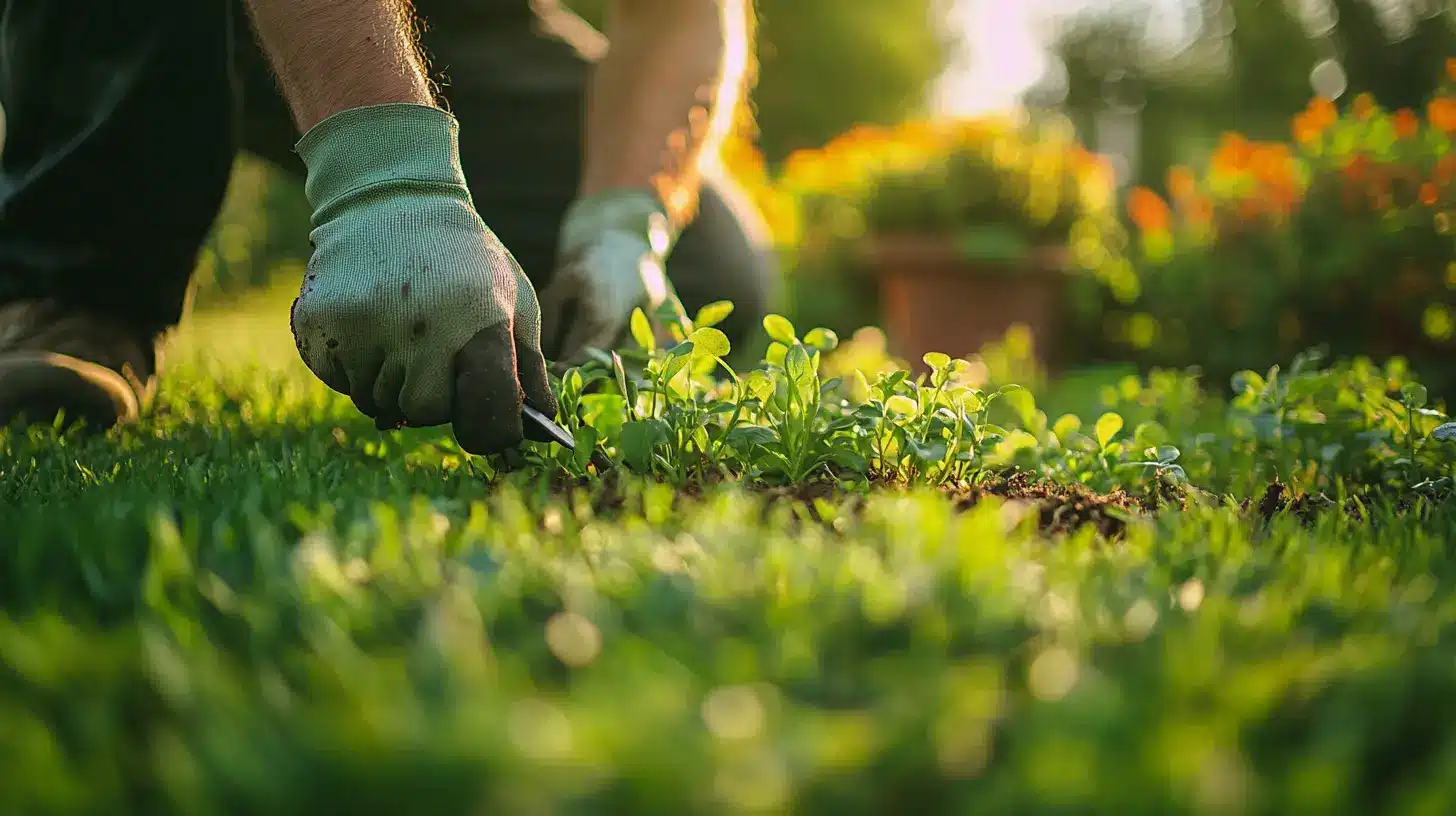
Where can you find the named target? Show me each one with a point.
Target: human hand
(411, 306)
(611, 260)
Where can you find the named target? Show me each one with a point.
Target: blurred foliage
(828, 64)
(1343, 238)
(1397, 60)
(1249, 67)
(260, 235)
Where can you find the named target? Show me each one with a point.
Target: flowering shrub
(999, 187)
(1341, 238)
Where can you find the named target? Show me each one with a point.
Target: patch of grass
(256, 602)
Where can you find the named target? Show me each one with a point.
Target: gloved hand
(610, 259)
(411, 306)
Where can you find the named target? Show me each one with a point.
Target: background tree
(1394, 49)
(1248, 66)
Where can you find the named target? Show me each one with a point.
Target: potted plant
(970, 227)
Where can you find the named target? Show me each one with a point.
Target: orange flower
(1233, 153)
(1270, 163)
(1322, 112)
(1430, 194)
(1307, 128)
(1442, 113)
(1148, 210)
(1365, 106)
(1181, 184)
(1407, 124)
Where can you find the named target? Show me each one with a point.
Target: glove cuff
(362, 147)
(635, 210)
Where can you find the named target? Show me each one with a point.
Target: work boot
(55, 361)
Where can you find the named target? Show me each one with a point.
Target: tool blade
(559, 434)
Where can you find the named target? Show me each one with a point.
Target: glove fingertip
(486, 405)
(536, 385)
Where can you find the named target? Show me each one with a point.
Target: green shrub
(1343, 239)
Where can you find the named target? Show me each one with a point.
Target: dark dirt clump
(1279, 499)
(1059, 509)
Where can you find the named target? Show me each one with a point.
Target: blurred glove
(610, 259)
(411, 306)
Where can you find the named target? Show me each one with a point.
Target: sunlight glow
(1005, 47)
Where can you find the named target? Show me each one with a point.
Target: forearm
(333, 55)
(664, 93)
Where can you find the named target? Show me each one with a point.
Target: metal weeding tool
(564, 438)
(558, 433)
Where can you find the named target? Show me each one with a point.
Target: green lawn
(256, 603)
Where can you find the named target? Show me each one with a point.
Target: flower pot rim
(890, 250)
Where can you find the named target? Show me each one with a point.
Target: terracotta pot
(934, 298)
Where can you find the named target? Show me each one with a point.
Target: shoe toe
(37, 387)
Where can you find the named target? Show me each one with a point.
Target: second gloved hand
(610, 260)
(411, 306)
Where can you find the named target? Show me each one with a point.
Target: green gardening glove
(611, 258)
(411, 306)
